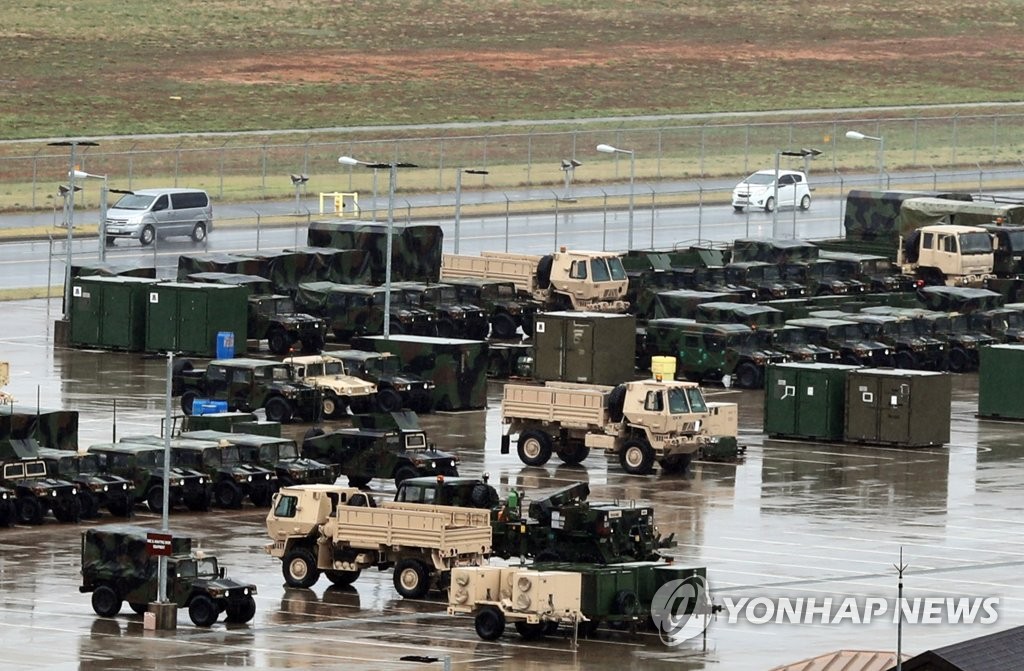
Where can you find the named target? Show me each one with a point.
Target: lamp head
(606, 149)
(854, 135)
(570, 163)
(347, 160)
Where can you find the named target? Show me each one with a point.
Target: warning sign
(158, 545)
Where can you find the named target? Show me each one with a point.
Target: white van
(148, 213)
(758, 191)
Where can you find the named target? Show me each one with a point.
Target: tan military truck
(565, 280)
(641, 421)
(339, 531)
(338, 390)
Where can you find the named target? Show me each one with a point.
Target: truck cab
(951, 254)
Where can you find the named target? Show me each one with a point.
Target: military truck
(911, 348)
(339, 391)
(539, 599)
(765, 278)
(396, 388)
(273, 317)
(7, 508)
(390, 446)
(822, 277)
(770, 327)
(712, 351)
(96, 490)
(1005, 324)
(963, 339)
(35, 491)
(248, 384)
(117, 566)
(143, 465)
(847, 338)
(1008, 250)
(562, 525)
(565, 280)
(452, 318)
(713, 279)
(642, 422)
(507, 311)
(878, 273)
(339, 531)
(280, 455)
(355, 309)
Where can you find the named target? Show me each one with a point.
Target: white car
(758, 191)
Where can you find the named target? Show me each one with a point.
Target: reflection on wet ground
(792, 520)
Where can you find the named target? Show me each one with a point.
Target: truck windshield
(415, 441)
(134, 201)
(696, 398)
(771, 273)
(333, 368)
(88, 463)
(229, 455)
(599, 270)
(446, 295)
(975, 243)
(615, 266)
(1015, 240)
(285, 306)
(67, 467)
(386, 365)
(286, 450)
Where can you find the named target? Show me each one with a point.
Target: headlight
(54, 492)
(245, 592)
(181, 483)
(452, 462)
(105, 488)
(249, 479)
(433, 464)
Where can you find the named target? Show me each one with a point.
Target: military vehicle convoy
(339, 391)
(117, 567)
(35, 491)
(247, 384)
(96, 490)
(641, 422)
(565, 280)
(340, 531)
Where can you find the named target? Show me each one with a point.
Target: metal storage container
(888, 406)
(805, 400)
(186, 317)
(1001, 382)
(109, 312)
(592, 347)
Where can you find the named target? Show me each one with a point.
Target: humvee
(396, 388)
(912, 347)
(143, 465)
(452, 318)
(281, 455)
(247, 384)
(96, 490)
(233, 480)
(355, 309)
(338, 390)
(508, 310)
(822, 277)
(36, 492)
(117, 567)
(766, 278)
(847, 338)
(879, 273)
(770, 328)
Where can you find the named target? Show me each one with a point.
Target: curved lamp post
(855, 135)
(458, 198)
(608, 149)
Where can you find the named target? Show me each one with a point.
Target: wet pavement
(791, 520)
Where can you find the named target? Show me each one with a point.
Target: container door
(549, 339)
(894, 410)
(193, 323)
(813, 415)
(117, 317)
(85, 313)
(780, 412)
(579, 350)
(862, 404)
(162, 319)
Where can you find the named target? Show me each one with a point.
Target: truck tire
(155, 499)
(227, 494)
(202, 611)
(959, 360)
(188, 398)
(67, 509)
(278, 341)
(359, 481)
(503, 326)
(29, 510)
(544, 271)
(241, 611)
(534, 448)
(573, 453)
(179, 367)
(138, 608)
(332, 405)
(389, 400)
(342, 578)
(616, 401)
(489, 623)
(637, 457)
(530, 631)
(105, 601)
(625, 605)
(299, 568)
(412, 580)
(747, 375)
(278, 410)
(404, 473)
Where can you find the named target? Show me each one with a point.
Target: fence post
(177, 163)
(508, 204)
(556, 219)
(956, 134)
(604, 222)
(131, 164)
(658, 167)
(529, 157)
(653, 192)
(263, 170)
(35, 174)
(703, 139)
(440, 165)
(842, 200)
(700, 209)
(220, 168)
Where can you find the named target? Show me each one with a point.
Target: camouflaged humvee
(766, 278)
(397, 388)
(769, 324)
(247, 384)
(96, 490)
(847, 338)
(822, 277)
(352, 310)
(143, 465)
(507, 310)
(878, 273)
(117, 567)
(452, 318)
(912, 349)
(36, 492)
(339, 391)
(280, 455)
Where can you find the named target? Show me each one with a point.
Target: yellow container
(663, 367)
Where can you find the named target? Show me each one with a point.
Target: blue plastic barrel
(225, 345)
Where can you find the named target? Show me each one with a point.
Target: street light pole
(74, 144)
(104, 192)
(801, 153)
(608, 149)
(775, 195)
(458, 199)
(855, 135)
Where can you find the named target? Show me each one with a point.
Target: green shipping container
(805, 400)
(592, 347)
(907, 408)
(1001, 382)
(109, 312)
(186, 317)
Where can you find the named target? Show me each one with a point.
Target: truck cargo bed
(570, 405)
(444, 528)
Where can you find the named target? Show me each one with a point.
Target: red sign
(158, 545)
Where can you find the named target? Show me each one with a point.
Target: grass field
(94, 67)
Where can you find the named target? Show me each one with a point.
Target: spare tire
(616, 401)
(544, 271)
(483, 496)
(177, 368)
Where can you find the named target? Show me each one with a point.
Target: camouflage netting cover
(416, 248)
(51, 428)
(959, 299)
(125, 268)
(740, 313)
(345, 266)
(874, 216)
(773, 250)
(682, 303)
(189, 264)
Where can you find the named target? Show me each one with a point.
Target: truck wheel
(105, 601)
(67, 509)
(278, 410)
(959, 361)
(411, 579)
(180, 367)
(503, 326)
(29, 510)
(333, 406)
(227, 494)
(299, 568)
(278, 342)
(202, 611)
(574, 453)
(906, 360)
(747, 375)
(88, 505)
(155, 499)
(359, 481)
(241, 611)
(490, 623)
(187, 399)
(626, 605)
(534, 448)
(342, 578)
(616, 401)
(637, 457)
(531, 631)
(404, 473)
(389, 400)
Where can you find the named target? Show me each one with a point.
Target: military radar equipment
(36, 492)
(117, 566)
(248, 384)
(339, 391)
(96, 489)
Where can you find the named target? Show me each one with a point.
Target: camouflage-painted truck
(340, 531)
(507, 311)
(339, 391)
(96, 489)
(248, 384)
(117, 566)
(640, 422)
(847, 338)
(280, 455)
(36, 491)
(143, 465)
(452, 318)
(352, 310)
(770, 327)
(415, 247)
(565, 280)
(911, 347)
(397, 387)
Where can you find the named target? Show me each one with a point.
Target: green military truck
(339, 391)
(248, 384)
(96, 490)
(765, 278)
(912, 349)
(36, 492)
(143, 465)
(822, 277)
(280, 455)
(507, 310)
(352, 310)
(397, 388)
(712, 351)
(847, 338)
(381, 446)
(878, 273)
(452, 318)
(769, 324)
(117, 566)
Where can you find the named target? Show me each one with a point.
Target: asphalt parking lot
(791, 520)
